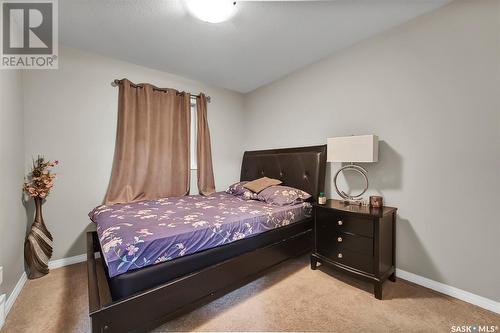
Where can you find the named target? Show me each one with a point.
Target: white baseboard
(13, 295)
(463, 295)
(22, 280)
(53, 264)
(2, 310)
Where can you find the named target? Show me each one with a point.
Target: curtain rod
(116, 83)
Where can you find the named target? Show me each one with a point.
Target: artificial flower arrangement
(38, 243)
(40, 180)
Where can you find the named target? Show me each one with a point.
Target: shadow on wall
(411, 252)
(386, 177)
(80, 242)
(74, 249)
(29, 208)
(386, 174)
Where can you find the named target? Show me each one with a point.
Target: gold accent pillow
(261, 184)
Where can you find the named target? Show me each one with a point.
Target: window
(194, 165)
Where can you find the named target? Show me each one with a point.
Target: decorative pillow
(238, 190)
(283, 195)
(260, 184)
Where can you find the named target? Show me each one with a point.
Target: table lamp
(352, 149)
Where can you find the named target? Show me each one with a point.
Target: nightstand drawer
(338, 222)
(363, 245)
(356, 260)
(344, 241)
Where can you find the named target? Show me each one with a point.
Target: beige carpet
(290, 298)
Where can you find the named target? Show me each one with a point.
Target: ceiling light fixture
(212, 11)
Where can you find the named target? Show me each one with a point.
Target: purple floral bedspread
(144, 233)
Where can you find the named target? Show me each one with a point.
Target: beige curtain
(152, 146)
(206, 182)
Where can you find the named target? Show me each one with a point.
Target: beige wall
(430, 90)
(70, 115)
(12, 212)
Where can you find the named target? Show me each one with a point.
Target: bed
(171, 262)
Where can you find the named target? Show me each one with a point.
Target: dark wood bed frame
(303, 168)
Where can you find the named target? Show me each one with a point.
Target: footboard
(99, 293)
(152, 307)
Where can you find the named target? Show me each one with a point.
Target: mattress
(145, 233)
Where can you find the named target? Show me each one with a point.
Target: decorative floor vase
(38, 245)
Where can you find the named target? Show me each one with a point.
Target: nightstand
(358, 240)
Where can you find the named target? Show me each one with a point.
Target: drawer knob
(339, 239)
(339, 255)
(339, 222)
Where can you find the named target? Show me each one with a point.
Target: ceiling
(263, 41)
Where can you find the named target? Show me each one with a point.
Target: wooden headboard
(302, 167)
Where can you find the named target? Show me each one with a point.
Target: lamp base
(351, 199)
(352, 202)
(355, 202)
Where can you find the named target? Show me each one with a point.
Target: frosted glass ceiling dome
(212, 11)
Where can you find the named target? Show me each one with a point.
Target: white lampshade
(356, 148)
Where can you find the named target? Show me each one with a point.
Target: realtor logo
(29, 34)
